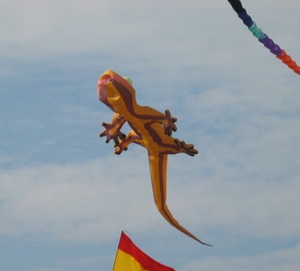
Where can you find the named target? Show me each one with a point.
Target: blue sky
(65, 197)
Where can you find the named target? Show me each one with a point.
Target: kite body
(150, 128)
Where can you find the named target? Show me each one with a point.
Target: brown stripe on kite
(157, 139)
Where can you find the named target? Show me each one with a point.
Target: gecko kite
(150, 129)
(262, 37)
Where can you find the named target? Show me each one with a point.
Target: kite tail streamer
(274, 48)
(262, 37)
(286, 59)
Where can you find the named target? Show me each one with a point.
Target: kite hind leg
(123, 143)
(185, 148)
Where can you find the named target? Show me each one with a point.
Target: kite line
(262, 37)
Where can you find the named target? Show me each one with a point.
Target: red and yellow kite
(130, 258)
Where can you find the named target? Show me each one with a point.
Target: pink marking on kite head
(104, 79)
(101, 82)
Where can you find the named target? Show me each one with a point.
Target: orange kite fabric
(130, 258)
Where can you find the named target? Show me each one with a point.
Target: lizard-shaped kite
(150, 129)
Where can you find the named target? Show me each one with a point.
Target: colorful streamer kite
(262, 37)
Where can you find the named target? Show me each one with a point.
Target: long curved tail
(158, 169)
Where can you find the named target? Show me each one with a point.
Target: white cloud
(76, 202)
(80, 202)
(285, 259)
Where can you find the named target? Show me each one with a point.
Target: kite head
(115, 91)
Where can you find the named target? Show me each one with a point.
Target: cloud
(90, 201)
(284, 259)
(75, 202)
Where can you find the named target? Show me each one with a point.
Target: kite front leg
(169, 123)
(131, 137)
(112, 130)
(165, 119)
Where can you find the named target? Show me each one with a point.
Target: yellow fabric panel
(125, 262)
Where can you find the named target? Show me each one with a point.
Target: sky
(65, 197)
